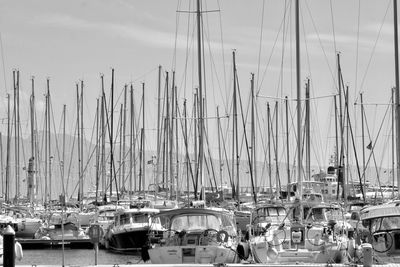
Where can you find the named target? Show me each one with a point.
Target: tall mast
(341, 125)
(396, 64)
(158, 125)
(269, 147)
(16, 130)
(362, 134)
(200, 96)
(49, 136)
(278, 181)
(143, 143)
(111, 132)
(63, 152)
(31, 165)
(103, 138)
(253, 139)
(287, 143)
(7, 197)
(299, 137)
(235, 131)
(393, 139)
(219, 151)
(79, 142)
(124, 140)
(308, 145)
(131, 143)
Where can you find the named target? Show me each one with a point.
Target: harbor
(199, 133)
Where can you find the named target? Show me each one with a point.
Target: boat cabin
(383, 224)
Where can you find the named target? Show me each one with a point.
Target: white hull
(192, 254)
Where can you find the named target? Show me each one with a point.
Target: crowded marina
(174, 170)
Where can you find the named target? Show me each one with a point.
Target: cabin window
(140, 218)
(390, 223)
(124, 219)
(272, 212)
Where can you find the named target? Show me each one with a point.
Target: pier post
(9, 247)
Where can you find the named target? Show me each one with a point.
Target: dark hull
(128, 240)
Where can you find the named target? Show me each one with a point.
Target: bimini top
(384, 210)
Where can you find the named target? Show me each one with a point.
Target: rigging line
(373, 146)
(270, 57)
(357, 47)
(333, 26)
(177, 16)
(212, 61)
(373, 49)
(260, 43)
(368, 131)
(320, 41)
(223, 54)
(189, 43)
(294, 99)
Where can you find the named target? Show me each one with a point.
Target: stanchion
(9, 247)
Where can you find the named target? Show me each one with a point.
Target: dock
(43, 243)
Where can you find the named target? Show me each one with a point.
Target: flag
(369, 145)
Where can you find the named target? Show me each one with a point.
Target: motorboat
(131, 228)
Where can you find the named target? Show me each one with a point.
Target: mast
(235, 131)
(341, 125)
(79, 143)
(299, 135)
(7, 196)
(393, 139)
(143, 143)
(253, 139)
(111, 132)
(278, 181)
(124, 140)
(362, 134)
(16, 130)
(81, 140)
(103, 138)
(98, 129)
(63, 153)
(269, 147)
(219, 152)
(308, 145)
(131, 143)
(396, 64)
(31, 165)
(158, 126)
(287, 145)
(200, 96)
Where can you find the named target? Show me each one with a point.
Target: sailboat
(305, 234)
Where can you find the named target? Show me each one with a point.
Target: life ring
(222, 236)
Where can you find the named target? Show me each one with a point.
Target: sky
(70, 41)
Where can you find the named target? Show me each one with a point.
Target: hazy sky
(74, 40)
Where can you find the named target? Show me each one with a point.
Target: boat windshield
(270, 214)
(193, 222)
(385, 223)
(315, 215)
